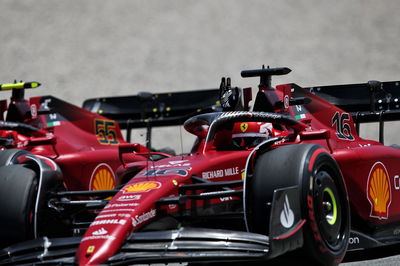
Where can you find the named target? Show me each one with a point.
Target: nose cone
(101, 241)
(92, 254)
(131, 208)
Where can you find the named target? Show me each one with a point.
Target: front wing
(181, 245)
(187, 244)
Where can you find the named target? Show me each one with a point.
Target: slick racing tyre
(323, 198)
(9, 156)
(18, 190)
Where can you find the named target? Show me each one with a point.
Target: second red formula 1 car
(48, 145)
(292, 174)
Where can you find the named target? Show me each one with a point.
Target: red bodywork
(85, 145)
(370, 170)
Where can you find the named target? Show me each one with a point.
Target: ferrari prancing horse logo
(244, 127)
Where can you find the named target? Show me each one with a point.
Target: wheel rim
(329, 206)
(328, 210)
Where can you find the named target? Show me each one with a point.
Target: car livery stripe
(292, 232)
(313, 157)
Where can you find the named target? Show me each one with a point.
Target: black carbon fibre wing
(59, 251)
(192, 244)
(158, 109)
(373, 101)
(181, 245)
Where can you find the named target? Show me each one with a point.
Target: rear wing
(367, 102)
(158, 109)
(373, 101)
(151, 110)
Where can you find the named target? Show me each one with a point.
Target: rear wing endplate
(364, 99)
(373, 101)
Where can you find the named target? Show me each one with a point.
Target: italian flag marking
(301, 116)
(53, 124)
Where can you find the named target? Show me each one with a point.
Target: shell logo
(102, 178)
(142, 187)
(378, 191)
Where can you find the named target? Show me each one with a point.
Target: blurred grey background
(92, 48)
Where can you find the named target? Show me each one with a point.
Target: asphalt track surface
(96, 48)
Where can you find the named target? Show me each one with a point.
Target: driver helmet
(250, 134)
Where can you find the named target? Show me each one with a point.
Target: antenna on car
(19, 87)
(180, 135)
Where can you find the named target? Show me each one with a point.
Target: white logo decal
(287, 215)
(286, 101)
(45, 104)
(138, 219)
(220, 173)
(53, 116)
(33, 111)
(118, 210)
(99, 232)
(106, 215)
(129, 197)
(396, 182)
(226, 199)
(354, 240)
(111, 221)
(97, 237)
(177, 162)
(115, 205)
(266, 129)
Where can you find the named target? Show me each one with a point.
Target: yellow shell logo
(102, 178)
(244, 127)
(378, 191)
(142, 187)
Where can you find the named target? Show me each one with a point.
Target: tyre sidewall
(295, 165)
(18, 197)
(314, 243)
(9, 156)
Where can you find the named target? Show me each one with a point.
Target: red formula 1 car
(292, 174)
(48, 145)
